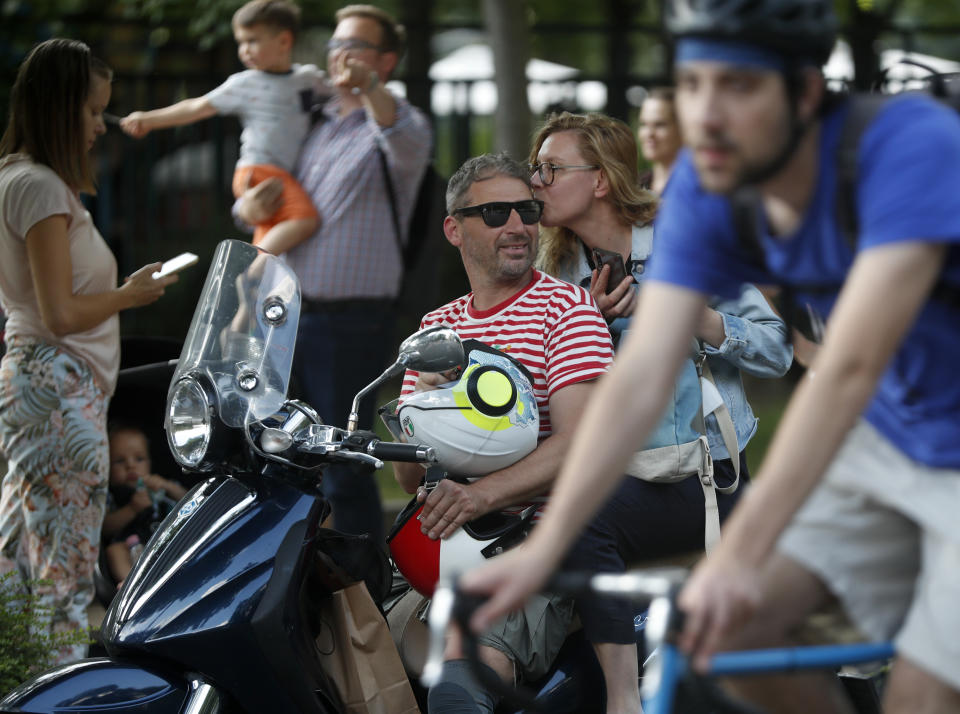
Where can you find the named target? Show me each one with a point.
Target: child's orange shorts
(296, 203)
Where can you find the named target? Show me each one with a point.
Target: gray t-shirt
(274, 110)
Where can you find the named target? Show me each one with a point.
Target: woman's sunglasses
(497, 213)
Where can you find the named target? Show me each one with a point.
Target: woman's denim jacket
(756, 343)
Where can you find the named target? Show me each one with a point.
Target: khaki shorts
(883, 532)
(532, 637)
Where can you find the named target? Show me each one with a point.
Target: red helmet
(415, 555)
(422, 560)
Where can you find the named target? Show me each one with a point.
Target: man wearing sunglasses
(553, 328)
(350, 269)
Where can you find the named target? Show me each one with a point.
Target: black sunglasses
(497, 213)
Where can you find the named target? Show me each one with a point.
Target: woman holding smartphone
(58, 288)
(596, 213)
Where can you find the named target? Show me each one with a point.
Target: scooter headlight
(188, 423)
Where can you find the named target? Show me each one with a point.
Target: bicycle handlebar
(450, 604)
(635, 584)
(668, 668)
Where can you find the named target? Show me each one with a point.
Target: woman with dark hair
(58, 288)
(585, 171)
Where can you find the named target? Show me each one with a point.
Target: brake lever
(358, 456)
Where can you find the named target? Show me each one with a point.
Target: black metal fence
(171, 191)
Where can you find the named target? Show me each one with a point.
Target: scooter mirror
(434, 349)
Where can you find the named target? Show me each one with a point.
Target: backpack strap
(946, 293)
(745, 202)
(711, 513)
(423, 211)
(711, 522)
(711, 509)
(392, 196)
(746, 209)
(863, 110)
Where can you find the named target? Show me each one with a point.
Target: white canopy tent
(475, 62)
(463, 83)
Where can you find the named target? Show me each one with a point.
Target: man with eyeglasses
(553, 328)
(350, 269)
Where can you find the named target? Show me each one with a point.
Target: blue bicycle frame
(659, 694)
(663, 671)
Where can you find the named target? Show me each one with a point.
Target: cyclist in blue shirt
(857, 495)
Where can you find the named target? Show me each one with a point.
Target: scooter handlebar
(396, 451)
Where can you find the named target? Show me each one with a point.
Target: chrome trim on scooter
(202, 699)
(130, 609)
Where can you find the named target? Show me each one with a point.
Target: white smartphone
(184, 260)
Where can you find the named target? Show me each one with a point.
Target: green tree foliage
(25, 646)
(207, 22)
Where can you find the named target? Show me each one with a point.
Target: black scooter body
(225, 575)
(101, 683)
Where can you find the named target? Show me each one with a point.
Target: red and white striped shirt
(552, 327)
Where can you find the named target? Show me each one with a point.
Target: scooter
(218, 614)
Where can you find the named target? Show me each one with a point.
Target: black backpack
(425, 218)
(425, 238)
(746, 206)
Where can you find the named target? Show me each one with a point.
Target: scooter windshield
(244, 332)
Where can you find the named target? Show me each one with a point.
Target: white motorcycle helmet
(485, 421)
(482, 423)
